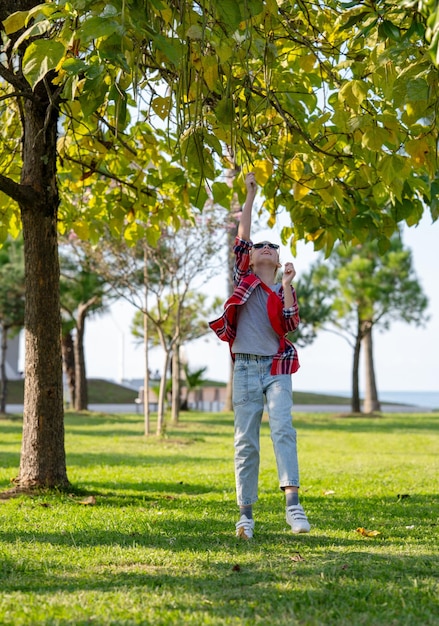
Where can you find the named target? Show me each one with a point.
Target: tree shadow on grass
(335, 583)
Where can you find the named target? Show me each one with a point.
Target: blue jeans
(252, 383)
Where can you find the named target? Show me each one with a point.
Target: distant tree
(68, 357)
(170, 327)
(367, 291)
(163, 276)
(82, 292)
(11, 304)
(194, 380)
(314, 310)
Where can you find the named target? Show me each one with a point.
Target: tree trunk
(371, 402)
(81, 391)
(176, 386)
(3, 378)
(68, 352)
(232, 231)
(355, 400)
(146, 411)
(43, 461)
(162, 397)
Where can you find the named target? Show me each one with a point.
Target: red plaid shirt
(282, 320)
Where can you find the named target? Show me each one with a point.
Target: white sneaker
(297, 519)
(244, 528)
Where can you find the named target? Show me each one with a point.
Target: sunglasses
(258, 246)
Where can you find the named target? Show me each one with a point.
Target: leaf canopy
(332, 104)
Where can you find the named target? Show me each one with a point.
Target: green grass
(158, 546)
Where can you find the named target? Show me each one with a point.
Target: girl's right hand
(250, 182)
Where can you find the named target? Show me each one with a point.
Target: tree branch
(23, 194)
(18, 83)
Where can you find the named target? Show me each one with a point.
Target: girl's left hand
(288, 275)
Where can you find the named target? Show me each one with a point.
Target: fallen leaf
(236, 568)
(297, 557)
(90, 501)
(328, 492)
(368, 533)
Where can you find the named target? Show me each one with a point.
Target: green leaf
(224, 111)
(171, 48)
(221, 193)
(96, 27)
(383, 245)
(253, 7)
(354, 19)
(41, 57)
(229, 13)
(74, 66)
(93, 96)
(417, 89)
(388, 30)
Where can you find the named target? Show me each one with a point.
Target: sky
(406, 356)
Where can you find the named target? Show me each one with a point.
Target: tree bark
(81, 391)
(146, 411)
(371, 402)
(355, 400)
(176, 385)
(232, 231)
(162, 396)
(69, 365)
(3, 377)
(42, 460)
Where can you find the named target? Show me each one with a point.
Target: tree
(181, 260)
(169, 271)
(194, 379)
(368, 291)
(314, 311)
(171, 326)
(42, 456)
(83, 292)
(39, 45)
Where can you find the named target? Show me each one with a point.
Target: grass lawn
(146, 535)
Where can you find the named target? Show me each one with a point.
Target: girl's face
(265, 250)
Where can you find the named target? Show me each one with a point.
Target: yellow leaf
(263, 171)
(210, 67)
(82, 230)
(294, 168)
(307, 62)
(300, 191)
(368, 533)
(418, 149)
(297, 557)
(353, 93)
(15, 21)
(90, 501)
(315, 235)
(161, 106)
